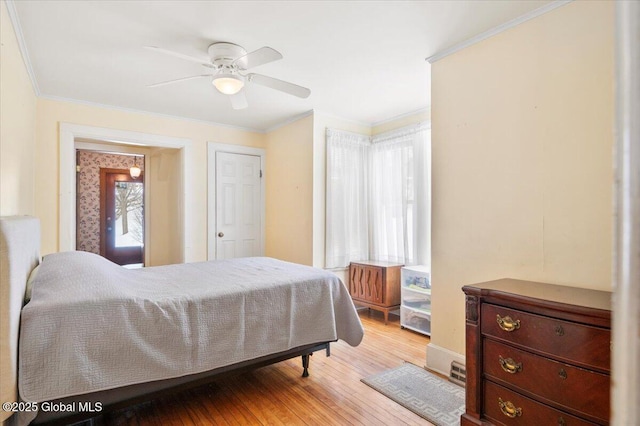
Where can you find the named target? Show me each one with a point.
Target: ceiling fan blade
(204, 62)
(239, 100)
(162, 83)
(283, 86)
(264, 55)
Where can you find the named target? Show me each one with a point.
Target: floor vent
(458, 373)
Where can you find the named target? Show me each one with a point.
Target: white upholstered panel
(19, 254)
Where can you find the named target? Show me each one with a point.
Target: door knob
(220, 234)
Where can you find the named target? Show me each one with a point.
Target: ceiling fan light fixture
(228, 84)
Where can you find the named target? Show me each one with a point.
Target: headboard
(19, 254)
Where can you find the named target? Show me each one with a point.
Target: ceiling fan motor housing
(223, 55)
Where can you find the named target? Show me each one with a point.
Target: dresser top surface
(595, 299)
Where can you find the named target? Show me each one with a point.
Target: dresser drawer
(583, 392)
(525, 411)
(578, 343)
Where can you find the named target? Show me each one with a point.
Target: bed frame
(120, 398)
(19, 254)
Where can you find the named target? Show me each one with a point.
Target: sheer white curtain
(399, 196)
(378, 196)
(347, 225)
(392, 198)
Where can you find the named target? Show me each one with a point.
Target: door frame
(625, 370)
(72, 135)
(212, 149)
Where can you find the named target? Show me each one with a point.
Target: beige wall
(51, 113)
(165, 180)
(289, 192)
(17, 126)
(522, 160)
(17, 139)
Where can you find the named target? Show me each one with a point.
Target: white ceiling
(363, 60)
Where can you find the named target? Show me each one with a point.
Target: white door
(238, 205)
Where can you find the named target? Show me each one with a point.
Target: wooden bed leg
(305, 365)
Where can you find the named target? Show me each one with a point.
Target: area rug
(424, 393)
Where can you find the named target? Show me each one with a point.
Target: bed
(94, 335)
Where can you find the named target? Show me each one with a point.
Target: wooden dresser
(375, 285)
(537, 354)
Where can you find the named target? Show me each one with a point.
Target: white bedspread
(92, 325)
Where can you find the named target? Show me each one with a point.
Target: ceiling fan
(227, 66)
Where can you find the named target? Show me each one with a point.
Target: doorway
(92, 160)
(122, 217)
(182, 206)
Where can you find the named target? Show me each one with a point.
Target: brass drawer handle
(507, 323)
(508, 409)
(509, 365)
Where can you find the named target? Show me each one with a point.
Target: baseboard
(439, 359)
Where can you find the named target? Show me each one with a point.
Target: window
(347, 225)
(378, 196)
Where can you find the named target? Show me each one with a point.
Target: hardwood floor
(277, 395)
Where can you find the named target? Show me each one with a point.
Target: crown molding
(497, 30)
(288, 121)
(22, 45)
(401, 116)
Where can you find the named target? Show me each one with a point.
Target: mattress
(92, 325)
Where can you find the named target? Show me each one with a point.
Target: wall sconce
(135, 171)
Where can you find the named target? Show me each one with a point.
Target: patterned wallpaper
(88, 194)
